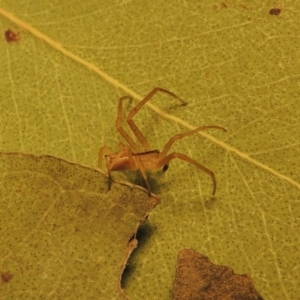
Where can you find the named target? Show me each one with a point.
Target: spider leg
(108, 173)
(101, 154)
(121, 129)
(144, 174)
(124, 151)
(183, 135)
(165, 161)
(133, 162)
(128, 152)
(136, 109)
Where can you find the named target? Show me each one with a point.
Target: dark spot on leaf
(6, 277)
(11, 36)
(275, 11)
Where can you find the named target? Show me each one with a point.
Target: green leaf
(62, 234)
(235, 64)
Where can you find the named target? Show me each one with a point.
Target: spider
(133, 158)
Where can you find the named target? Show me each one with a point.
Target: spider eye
(165, 168)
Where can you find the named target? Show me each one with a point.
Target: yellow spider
(133, 158)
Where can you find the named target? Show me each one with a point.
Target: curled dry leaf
(198, 278)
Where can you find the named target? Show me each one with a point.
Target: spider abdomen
(148, 159)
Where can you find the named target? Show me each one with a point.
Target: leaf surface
(62, 235)
(237, 65)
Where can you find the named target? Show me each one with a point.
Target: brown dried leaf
(199, 279)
